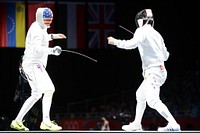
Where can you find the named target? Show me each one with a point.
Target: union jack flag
(101, 23)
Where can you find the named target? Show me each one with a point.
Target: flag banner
(87, 23)
(12, 25)
(101, 23)
(74, 24)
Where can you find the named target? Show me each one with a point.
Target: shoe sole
(137, 130)
(48, 129)
(51, 129)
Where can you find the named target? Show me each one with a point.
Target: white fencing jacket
(37, 42)
(150, 44)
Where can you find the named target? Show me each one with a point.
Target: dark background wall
(77, 78)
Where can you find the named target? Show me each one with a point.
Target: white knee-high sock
(28, 104)
(140, 108)
(46, 105)
(163, 110)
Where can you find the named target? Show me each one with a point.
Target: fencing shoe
(132, 127)
(52, 126)
(18, 126)
(170, 128)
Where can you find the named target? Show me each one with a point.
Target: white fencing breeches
(38, 79)
(149, 90)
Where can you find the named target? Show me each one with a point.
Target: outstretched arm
(58, 36)
(124, 44)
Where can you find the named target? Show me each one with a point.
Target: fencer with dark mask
(153, 53)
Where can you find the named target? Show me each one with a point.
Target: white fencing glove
(56, 50)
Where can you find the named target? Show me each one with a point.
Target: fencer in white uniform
(34, 64)
(153, 53)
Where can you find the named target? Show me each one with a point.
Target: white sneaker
(132, 127)
(18, 126)
(170, 128)
(52, 126)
